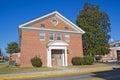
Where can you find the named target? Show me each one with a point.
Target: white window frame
(67, 37)
(43, 36)
(52, 35)
(60, 36)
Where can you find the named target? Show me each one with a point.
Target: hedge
(82, 60)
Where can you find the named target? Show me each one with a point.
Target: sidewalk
(62, 71)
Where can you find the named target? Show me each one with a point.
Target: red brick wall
(31, 46)
(75, 47)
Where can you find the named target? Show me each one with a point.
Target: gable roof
(79, 30)
(115, 42)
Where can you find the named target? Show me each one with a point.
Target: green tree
(12, 47)
(96, 24)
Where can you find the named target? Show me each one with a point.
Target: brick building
(51, 37)
(15, 57)
(114, 51)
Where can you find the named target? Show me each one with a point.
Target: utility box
(11, 63)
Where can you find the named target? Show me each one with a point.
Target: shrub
(76, 61)
(87, 60)
(82, 60)
(36, 62)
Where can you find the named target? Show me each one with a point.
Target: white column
(50, 65)
(115, 53)
(63, 56)
(48, 57)
(66, 63)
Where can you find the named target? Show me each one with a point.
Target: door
(59, 59)
(56, 58)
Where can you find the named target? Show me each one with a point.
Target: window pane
(58, 36)
(51, 35)
(67, 37)
(42, 35)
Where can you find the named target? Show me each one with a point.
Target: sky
(16, 12)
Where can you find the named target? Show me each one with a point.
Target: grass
(5, 69)
(90, 66)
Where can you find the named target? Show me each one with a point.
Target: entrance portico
(58, 46)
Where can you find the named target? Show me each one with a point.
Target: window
(58, 36)
(42, 25)
(66, 28)
(51, 36)
(54, 21)
(42, 35)
(67, 37)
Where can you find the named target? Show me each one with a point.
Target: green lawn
(90, 66)
(5, 69)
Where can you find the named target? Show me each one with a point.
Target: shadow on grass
(108, 75)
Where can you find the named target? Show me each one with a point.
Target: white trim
(58, 15)
(50, 60)
(48, 63)
(70, 23)
(66, 61)
(51, 30)
(63, 61)
(37, 19)
(116, 42)
(57, 45)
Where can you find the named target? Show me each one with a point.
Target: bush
(82, 60)
(36, 62)
(76, 61)
(88, 60)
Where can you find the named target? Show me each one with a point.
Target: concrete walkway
(61, 71)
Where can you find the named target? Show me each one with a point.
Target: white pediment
(78, 29)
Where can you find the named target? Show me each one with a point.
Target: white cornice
(50, 30)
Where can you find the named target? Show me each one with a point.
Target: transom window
(42, 35)
(58, 36)
(67, 37)
(51, 36)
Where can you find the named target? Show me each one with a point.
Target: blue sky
(16, 12)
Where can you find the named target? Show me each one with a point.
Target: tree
(96, 24)
(12, 48)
